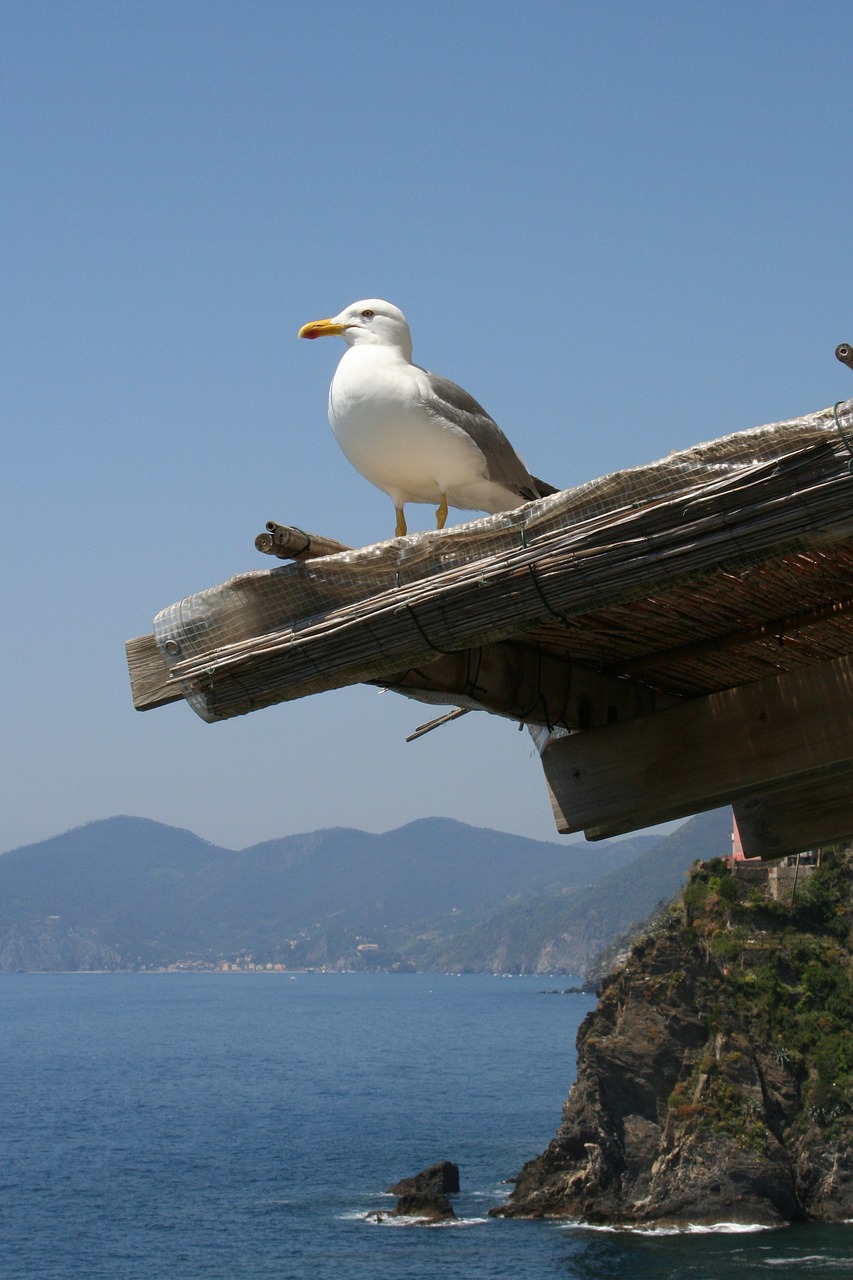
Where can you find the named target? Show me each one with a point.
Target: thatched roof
(711, 570)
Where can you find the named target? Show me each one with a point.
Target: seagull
(416, 436)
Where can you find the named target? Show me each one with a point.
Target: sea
(246, 1126)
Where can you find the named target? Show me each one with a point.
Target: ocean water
(227, 1126)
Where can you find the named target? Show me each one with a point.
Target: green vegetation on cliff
(786, 972)
(715, 1078)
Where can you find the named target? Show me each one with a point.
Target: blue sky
(623, 227)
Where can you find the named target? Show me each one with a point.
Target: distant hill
(566, 931)
(128, 893)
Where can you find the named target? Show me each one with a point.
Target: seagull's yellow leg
(400, 531)
(441, 513)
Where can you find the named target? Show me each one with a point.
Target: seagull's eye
(367, 313)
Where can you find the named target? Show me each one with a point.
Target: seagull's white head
(370, 321)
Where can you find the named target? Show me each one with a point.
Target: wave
(689, 1228)
(380, 1218)
(822, 1260)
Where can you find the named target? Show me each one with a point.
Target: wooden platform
(678, 637)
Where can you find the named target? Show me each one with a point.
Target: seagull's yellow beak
(320, 329)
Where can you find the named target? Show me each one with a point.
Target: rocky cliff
(715, 1078)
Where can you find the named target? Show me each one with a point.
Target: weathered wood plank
(803, 500)
(799, 814)
(707, 752)
(150, 684)
(516, 681)
(149, 676)
(528, 684)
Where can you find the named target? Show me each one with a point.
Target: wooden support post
(707, 752)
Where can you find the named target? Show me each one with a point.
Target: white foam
(689, 1228)
(379, 1218)
(812, 1259)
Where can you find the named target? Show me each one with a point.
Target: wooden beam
(150, 682)
(530, 685)
(799, 814)
(707, 752)
(149, 676)
(774, 508)
(516, 681)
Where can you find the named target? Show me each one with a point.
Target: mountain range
(130, 893)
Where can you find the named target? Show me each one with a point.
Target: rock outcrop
(425, 1195)
(715, 1077)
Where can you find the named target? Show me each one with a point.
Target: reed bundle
(607, 561)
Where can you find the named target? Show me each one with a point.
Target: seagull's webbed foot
(441, 513)
(401, 530)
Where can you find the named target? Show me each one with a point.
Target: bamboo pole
(287, 542)
(777, 629)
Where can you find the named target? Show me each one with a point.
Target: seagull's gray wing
(503, 465)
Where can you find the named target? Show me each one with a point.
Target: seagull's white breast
(379, 410)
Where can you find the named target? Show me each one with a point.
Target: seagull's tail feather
(543, 488)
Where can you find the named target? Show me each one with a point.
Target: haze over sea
(243, 1125)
